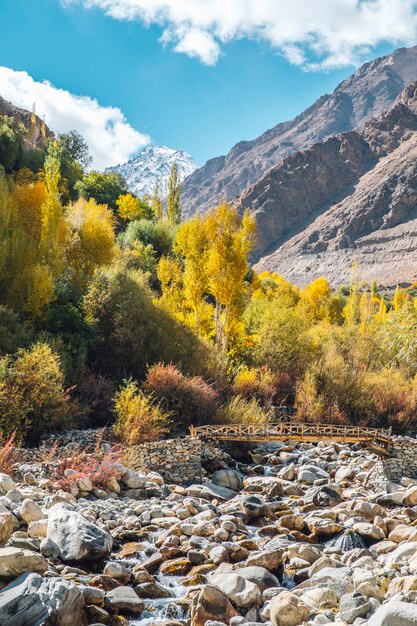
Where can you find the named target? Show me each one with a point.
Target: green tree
(104, 187)
(75, 147)
(174, 195)
(11, 135)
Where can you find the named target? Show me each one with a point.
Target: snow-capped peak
(153, 165)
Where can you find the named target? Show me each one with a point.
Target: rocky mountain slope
(153, 165)
(36, 129)
(351, 198)
(368, 92)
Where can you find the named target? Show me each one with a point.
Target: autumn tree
(315, 299)
(174, 195)
(92, 240)
(130, 208)
(157, 203)
(192, 243)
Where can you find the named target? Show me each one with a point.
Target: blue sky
(203, 100)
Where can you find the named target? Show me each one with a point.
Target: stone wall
(177, 460)
(403, 459)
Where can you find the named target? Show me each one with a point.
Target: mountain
(153, 165)
(36, 130)
(368, 92)
(349, 199)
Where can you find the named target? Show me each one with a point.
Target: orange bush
(189, 400)
(9, 453)
(97, 465)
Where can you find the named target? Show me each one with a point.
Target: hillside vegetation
(113, 310)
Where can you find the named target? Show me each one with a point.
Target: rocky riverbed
(300, 535)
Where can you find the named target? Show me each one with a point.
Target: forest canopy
(113, 309)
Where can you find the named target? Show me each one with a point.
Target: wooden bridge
(374, 438)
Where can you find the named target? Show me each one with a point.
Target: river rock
(286, 609)
(6, 483)
(395, 613)
(77, 539)
(242, 592)
(353, 605)
(123, 599)
(211, 604)
(7, 521)
(15, 561)
(20, 603)
(30, 511)
(229, 478)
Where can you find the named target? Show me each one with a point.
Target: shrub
(131, 332)
(262, 383)
(9, 453)
(160, 235)
(99, 465)
(282, 341)
(189, 400)
(139, 418)
(96, 393)
(32, 395)
(239, 410)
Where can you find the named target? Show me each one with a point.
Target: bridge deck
(376, 439)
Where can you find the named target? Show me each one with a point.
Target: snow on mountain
(153, 165)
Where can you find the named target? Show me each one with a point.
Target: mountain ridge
(366, 93)
(311, 224)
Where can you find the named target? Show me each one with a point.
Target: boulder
(353, 605)
(286, 609)
(118, 571)
(403, 532)
(253, 507)
(369, 531)
(31, 600)
(77, 539)
(255, 574)
(229, 478)
(20, 603)
(30, 511)
(6, 483)
(133, 480)
(325, 496)
(123, 600)
(243, 593)
(15, 561)
(211, 604)
(402, 583)
(410, 497)
(7, 520)
(64, 601)
(395, 613)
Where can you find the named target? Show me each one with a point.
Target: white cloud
(333, 33)
(110, 137)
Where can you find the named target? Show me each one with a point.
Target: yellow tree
(230, 240)
(399, 299)
(157, 203)
(169, 274)
(315, 299)
(92, 242)
(192, 243)
(53, 230)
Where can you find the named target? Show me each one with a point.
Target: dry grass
(97, 464)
